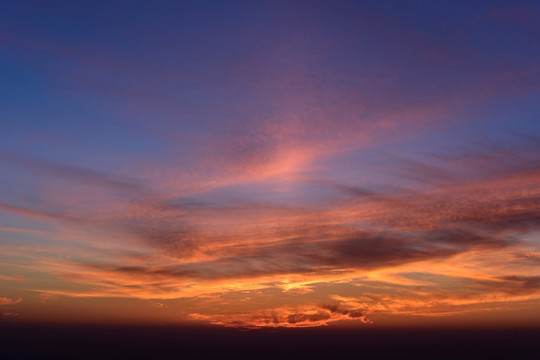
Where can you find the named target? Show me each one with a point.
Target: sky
(269, 164)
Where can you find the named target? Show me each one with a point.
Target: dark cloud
(391, 198)
(511, 285)
(363, 251)
(177, 244)
(338, 309)
(300, 318)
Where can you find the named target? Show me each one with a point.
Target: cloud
(316, 257)
(73, 173)
(337, 308)
(12, 277)
(305, 316)
(512, 285)
(9, 314)
(212, 243)
(394, 298)
(7, 301)
(35, 213)
(45, 298)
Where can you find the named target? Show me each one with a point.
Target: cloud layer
(314, 165)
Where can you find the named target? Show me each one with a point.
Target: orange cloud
(45, 298)
(12, 277)
(306, 316)
(7, 301)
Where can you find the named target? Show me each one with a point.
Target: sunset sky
(270, 163)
